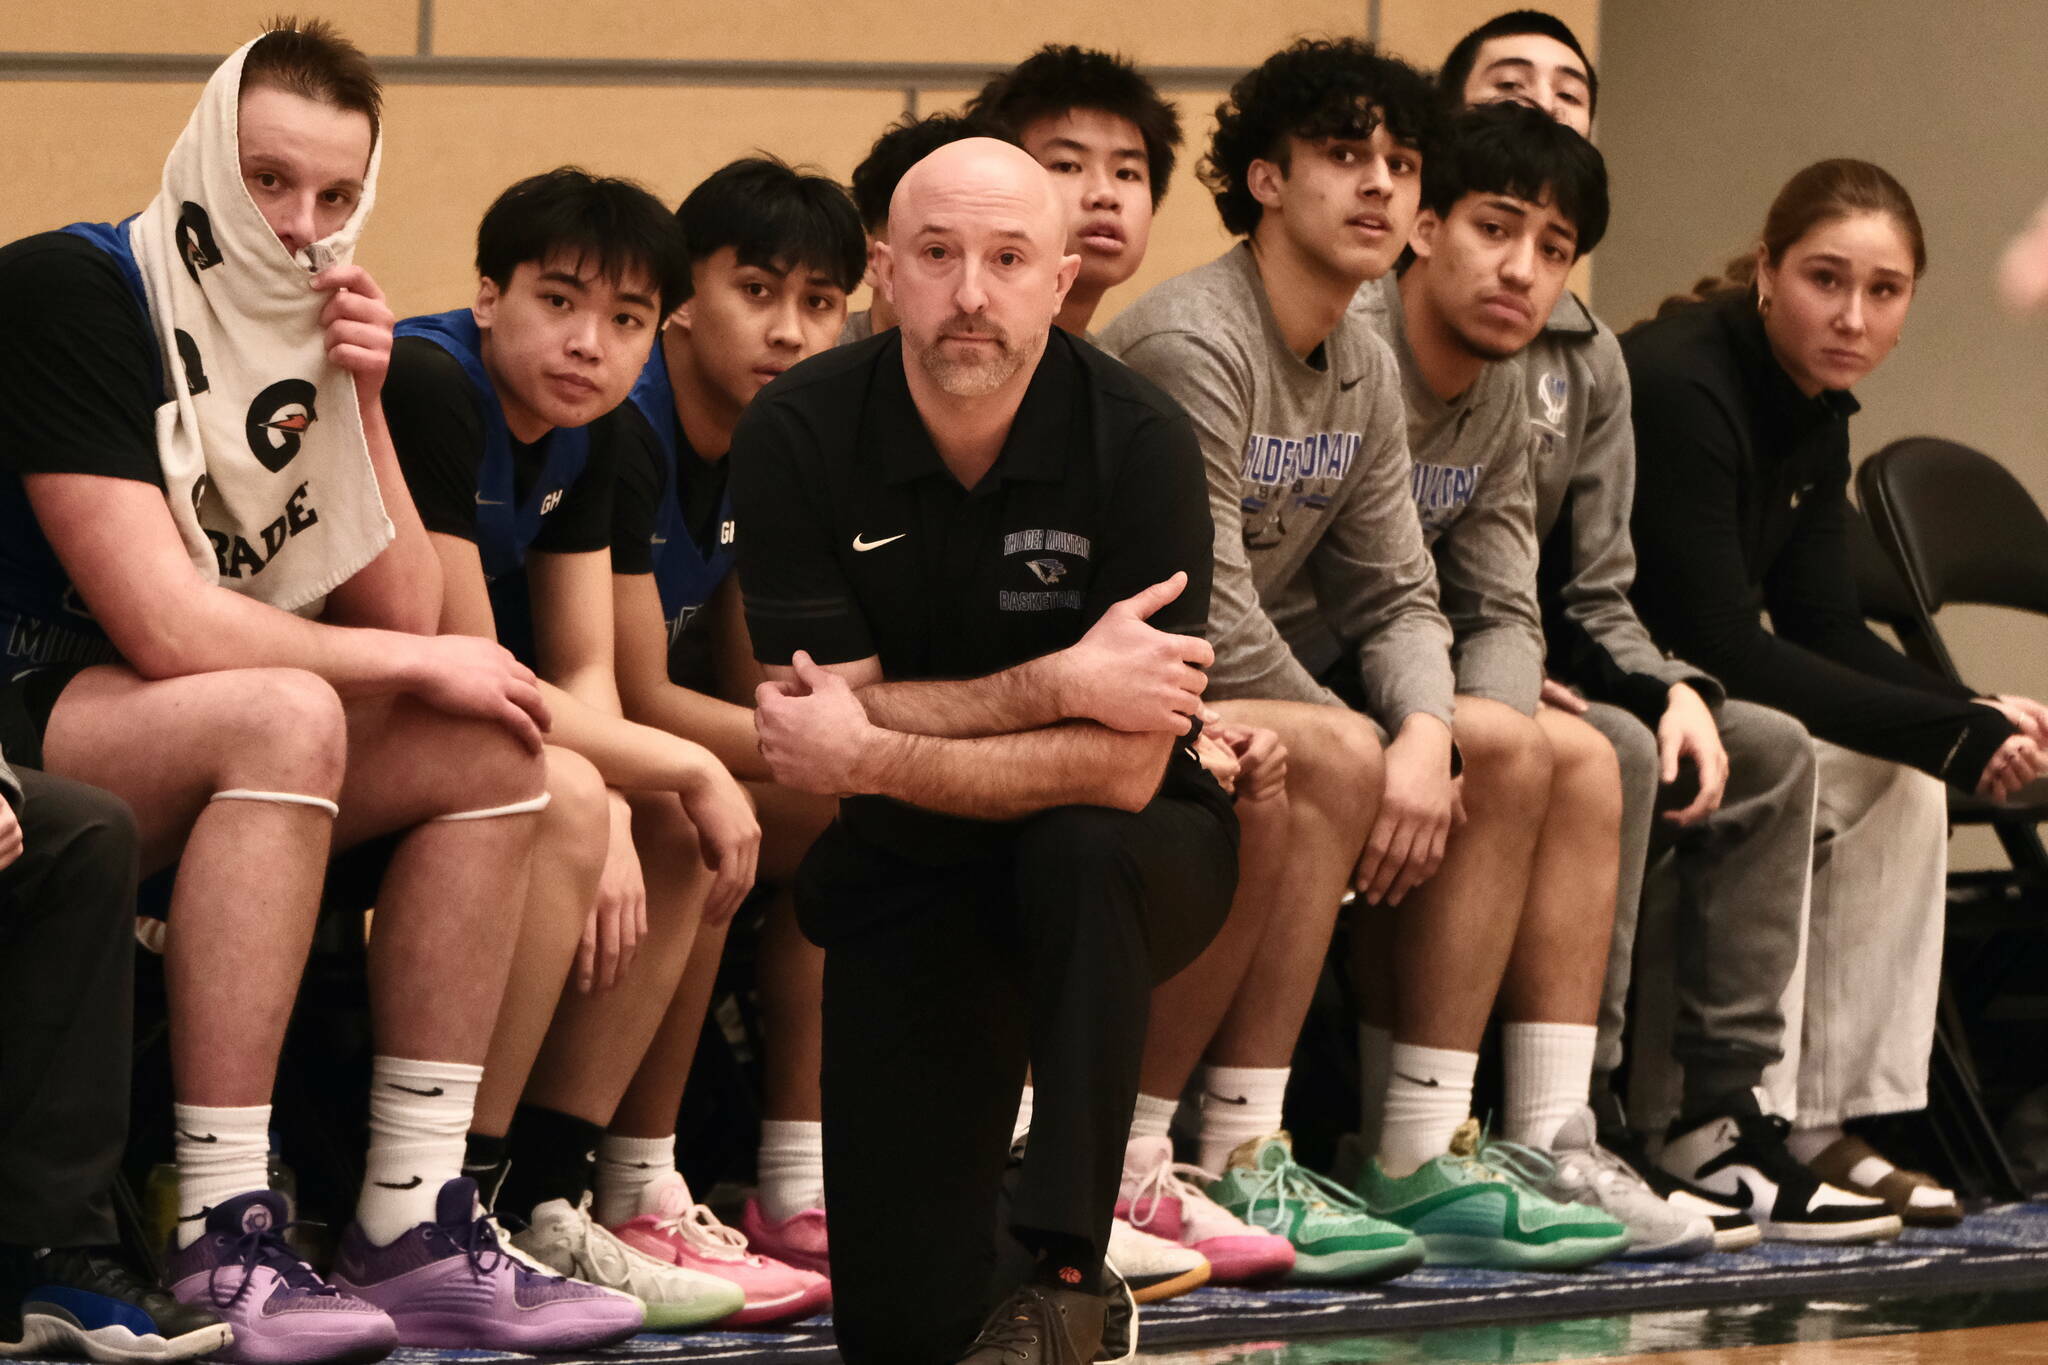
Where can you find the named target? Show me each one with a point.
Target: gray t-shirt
(1316, 536)
(1477, 505)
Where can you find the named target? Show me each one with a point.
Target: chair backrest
(1964, 528)
(1880, 590)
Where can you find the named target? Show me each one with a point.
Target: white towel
(266, 468)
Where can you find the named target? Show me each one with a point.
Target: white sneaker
(1742, 1154)
(1589, 1174)
(1165, 1198)
(568, 1241)
(1155, 1268)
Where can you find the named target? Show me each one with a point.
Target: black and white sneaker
(85, 1301)
(1734, 1229)
(1741, 1154)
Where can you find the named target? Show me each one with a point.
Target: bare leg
(568, 858)
(1431, 968)
(443, 941)
(250, 872)
(791, 971)
(1559, 963)
(597, 1041)
(1334, 772)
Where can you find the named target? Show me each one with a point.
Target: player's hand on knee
(618, 922)
(1261, 760)
(1418, 805)
(357, 322)
(1218, 759)
(728, 839)
(1132, 676)
(466, 675)
(813, 730)
(1556, 694)
(11, 843)
(1687, 728)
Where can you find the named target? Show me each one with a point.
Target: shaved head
(983, 177)
(975, 265)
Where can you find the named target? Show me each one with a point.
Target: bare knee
(1335, 754)
(1507, 758)
(280, 729)
(669, 855)
(1584, 772)
(575, 827)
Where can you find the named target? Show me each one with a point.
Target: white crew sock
(1808, 1143)
(419, 1123)
(1239, 1103)
(1548, 1069)
(221, 1153)
(1375, 1046)
(626, 1166)
(1022, 1128)
(1153, 1116)
(1429, 1093)
(791, 1167)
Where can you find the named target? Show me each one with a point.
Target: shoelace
(701, 1228)
(476, 1240)
(1169, 1178)
(1291, 1180)
(1607, 1170)
(1498, 1158)
(1013, 1328)
(605, 1254)
(258, 1248)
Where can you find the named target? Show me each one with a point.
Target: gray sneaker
(1589, 1174)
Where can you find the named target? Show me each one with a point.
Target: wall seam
(424, 38)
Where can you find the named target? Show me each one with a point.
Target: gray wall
(1707, 106)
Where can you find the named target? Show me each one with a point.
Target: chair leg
(1956, 1112)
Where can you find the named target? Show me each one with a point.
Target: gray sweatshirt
(1584, 458)
(1316, 537)
(1478, 511)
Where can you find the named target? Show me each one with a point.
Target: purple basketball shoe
(282, 1313)
(449, 1284)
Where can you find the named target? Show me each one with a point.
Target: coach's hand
(618, 922)
(358, 325)
(1688, 728)
(466, 675)
(1132, 676)
(11, 844)
(1419, 807)
(1261, 758)
(728, 837)
(813, 730)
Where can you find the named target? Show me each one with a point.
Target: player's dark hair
(1061, 77)
(1457, 68)
(1512, 149)
(1318, 88)
(902, 145)
(613, 225)
(310, 58)
(774, 217)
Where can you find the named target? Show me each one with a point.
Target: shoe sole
(669, 1317)
(1492, 1253)
(1859, 1233)
(1932, 1218)
(1738, 1239)
(1682, 1249)
(116, 1345)
(1171, 1287)
(1355, 1267)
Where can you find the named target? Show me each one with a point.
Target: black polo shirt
(856, 540)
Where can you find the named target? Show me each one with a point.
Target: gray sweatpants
(1859, 1005)
(1721, 924)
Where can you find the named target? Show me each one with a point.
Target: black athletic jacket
(1742, 507)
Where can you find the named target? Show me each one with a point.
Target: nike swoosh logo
(1228, 1099)
(435, 1093)
(657, 540)
(411, 1184)
(1347, 385)
(1746, 1195)
(863, 546)
(194, 1137)
(1432, 1082)
(482, 501)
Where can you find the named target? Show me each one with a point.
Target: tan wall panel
(1166, 32)
(184, 26)
(79, 150)
(1423, 31)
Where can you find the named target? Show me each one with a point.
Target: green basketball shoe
(1477, 1206)
(1336, 1239)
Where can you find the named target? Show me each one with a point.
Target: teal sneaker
(1477, 1205)
(1336, 1239)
